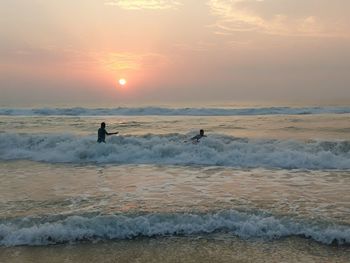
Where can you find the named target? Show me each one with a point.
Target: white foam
(77, 228)
(216, 150)
(172, 111)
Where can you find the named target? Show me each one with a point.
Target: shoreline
(213, 248)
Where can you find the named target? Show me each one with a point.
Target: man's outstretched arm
(111, 133)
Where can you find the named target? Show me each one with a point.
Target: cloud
(42, 56)
(131, 61)
(144, 4)
(284, 17)
(198, 46)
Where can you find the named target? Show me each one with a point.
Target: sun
(122, 82)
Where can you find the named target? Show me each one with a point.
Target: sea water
(265, 185)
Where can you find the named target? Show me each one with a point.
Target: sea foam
(158, 111)
(172, 149)
(29, 231)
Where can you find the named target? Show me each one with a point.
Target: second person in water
(196, 138)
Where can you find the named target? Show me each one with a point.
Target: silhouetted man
(102, 133)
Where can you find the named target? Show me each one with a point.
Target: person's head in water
(103, 125)
(201, 132)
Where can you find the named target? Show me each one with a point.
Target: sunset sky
(72, 52)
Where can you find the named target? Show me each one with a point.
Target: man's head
(201, 132)
(103, 125)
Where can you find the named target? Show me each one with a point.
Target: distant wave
(157, 111)
(171, 149)
(40, 231)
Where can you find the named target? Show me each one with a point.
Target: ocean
(267, 184)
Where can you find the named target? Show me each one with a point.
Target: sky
(174, 51)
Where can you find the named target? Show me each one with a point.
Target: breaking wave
(34, 231)
(172, 149)
(158, 111)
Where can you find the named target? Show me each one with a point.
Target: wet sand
(181, 249)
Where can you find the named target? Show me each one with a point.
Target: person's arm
(111, 133)
(195, 138)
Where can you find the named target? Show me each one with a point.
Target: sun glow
(122, 82)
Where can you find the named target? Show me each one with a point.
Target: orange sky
(74, 52)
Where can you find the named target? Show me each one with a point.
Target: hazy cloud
(144, 4)
(131, 61)
(198, 46)
(284, 17)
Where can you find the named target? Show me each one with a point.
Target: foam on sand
(31, 231)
